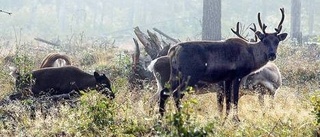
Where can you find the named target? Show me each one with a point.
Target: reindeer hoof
(236, 119)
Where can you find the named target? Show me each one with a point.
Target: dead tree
(153, 46)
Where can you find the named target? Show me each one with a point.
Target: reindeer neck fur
(259, 52)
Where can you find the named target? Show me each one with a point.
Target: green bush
(96, 115)
(315, 100)
(184, 123)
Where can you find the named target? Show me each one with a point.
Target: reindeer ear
(282, 36)
(260, 35)
(96, 74)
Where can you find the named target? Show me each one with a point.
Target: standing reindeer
(55, 60)
(265, 80)
(216, 61)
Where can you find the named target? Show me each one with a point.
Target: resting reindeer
(60, 80)
(55, 60)
(216, 61)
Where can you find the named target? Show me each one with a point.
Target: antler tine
(263, 27)
(278, 30)
(254, 29)
(237, 31)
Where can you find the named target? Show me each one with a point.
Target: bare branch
(165, 35)
(47, 42)
(9, 13)
(136, 54)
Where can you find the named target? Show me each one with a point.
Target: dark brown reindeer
(55, 60)
(60, 80)
(265, 80)
(216, 61)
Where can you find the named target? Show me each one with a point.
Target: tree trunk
(211, 25)
(296, 21)
(311, 16)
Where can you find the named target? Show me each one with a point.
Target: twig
(9, 13)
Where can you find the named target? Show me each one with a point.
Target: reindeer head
(271, 40)
(103, 85)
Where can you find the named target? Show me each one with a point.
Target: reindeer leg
(177, 98)
(272, 101)
(236, 84)
(220, 100)
(163, 97)
(261, 99)
(228, 85)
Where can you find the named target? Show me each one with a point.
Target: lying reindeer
(220, 61)
(55, 60)
(60, 80)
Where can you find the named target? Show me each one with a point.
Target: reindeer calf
(266, 80)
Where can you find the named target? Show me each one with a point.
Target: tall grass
(129, 114)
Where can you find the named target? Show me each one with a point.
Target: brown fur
(61, 80)
(266, 80)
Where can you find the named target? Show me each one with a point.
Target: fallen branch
(47, 42)
(165, 35)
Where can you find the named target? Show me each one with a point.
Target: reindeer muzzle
(108, 93)
(272, 56)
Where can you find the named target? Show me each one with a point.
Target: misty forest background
(97, 35)
(115, 20)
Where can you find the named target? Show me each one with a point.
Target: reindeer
(60, 80)
(216, 61)
(265, 80)
(55, 60)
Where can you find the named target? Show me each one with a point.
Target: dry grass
(133, 116)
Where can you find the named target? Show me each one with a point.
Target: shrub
(183, 123)
(315, 100)
(96, 114)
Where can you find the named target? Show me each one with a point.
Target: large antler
(237, 31)
(262, 26)
(278, 30)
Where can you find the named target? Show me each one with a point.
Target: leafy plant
(315, 100)
(183, 123)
